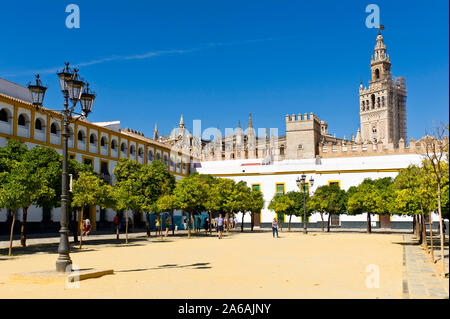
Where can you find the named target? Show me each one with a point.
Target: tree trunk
(126, 227)
(441, 228)
(414, 225)
(74, 225)
(173, 225)
(289, 226)
(147, 223)
(189, 225)
(242, 224)
(419, 219)
(252, 221)
(23, 230)
(424, 230)
(369, 226)
(227, 220)
(80, 220)
(210, 223)
(323, 223)
(328, 223)
(431, 237)
(12, 230)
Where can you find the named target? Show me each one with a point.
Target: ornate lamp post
(72, 88)
(301, 181)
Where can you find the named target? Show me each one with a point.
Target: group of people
(215, 223)
(159, 226)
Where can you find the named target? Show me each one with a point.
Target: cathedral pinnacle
(181, 122)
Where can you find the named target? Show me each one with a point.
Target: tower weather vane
(380, 27)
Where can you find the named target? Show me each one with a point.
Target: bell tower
(383, 103)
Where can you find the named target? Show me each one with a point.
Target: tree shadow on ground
(171, 266)
(36, 249)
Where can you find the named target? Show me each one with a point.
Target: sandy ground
(248, 265)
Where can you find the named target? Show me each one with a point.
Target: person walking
(184, 223)
(116, 224)
(157, 225)
(220, 225)
(206, 225)
(167, 222)
(274, 227)
(87, 227)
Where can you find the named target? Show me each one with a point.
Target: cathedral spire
(250, 125)
(181, 125)
(155, 132)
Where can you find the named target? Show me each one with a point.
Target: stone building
(383, 103)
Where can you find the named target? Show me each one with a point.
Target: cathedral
(382, 126)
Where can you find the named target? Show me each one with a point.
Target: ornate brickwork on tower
(383, 103)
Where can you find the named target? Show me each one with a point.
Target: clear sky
(150, 61)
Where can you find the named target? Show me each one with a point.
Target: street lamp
(37, 92)
(301, 182)
(72, 88)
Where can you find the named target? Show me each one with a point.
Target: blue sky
(150, 61)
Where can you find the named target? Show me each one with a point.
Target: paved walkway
(421, 276)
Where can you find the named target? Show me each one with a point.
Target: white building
(345, 171)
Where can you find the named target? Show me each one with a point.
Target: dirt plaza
(242, 265)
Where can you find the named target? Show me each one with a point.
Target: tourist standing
(184, 222)
(157, 225)
(116, 224)
(274, 227)
(167, 222)
(220, 225)
(206, 225)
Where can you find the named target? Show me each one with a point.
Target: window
(158, 156)
(382, 100)
(373, 101)
(374, 130)
(104, 168)
(123, 147)
(38, 124)
(22, 121)
(80, 136)
(166, 160)
(337, 183)
(92, 139)
(255, 187)
(87, 161)
(377, 74)
(3, 115)
(178, 165)
(282, 150)
(378, 101)
(279, 189)
(103, 141)
(132, 150)
(140, 152)
(53, 129)
(172, 163)
(113, 144)
(150, 155)
(304, 188)
(300, 146)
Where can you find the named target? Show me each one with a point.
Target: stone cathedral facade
(382, 127)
